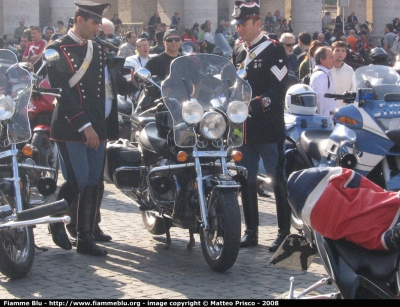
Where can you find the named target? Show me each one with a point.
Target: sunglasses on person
(289, 45)
(173, 39)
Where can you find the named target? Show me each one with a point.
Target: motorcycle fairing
(296, 124)
(219, 86)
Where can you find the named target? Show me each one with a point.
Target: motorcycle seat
(314, 142)
(150, 139)
(380, 264)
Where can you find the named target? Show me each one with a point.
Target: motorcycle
(40, 110)
(178, 170)
(17, 247)
(355, 272)
(366, 132)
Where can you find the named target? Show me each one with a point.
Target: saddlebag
(123, 153)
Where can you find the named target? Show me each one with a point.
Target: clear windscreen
(213, 82)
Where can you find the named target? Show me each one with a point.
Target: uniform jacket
(267, 76)
(85, 102)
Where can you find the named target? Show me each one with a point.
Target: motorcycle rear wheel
(47, 154)
(221, 244)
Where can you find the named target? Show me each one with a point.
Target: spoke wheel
(220, 244)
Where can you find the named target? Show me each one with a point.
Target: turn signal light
(27, 150)
(237, 155)
(347, 120)
(182, 156)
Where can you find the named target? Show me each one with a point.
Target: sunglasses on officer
(172, 39)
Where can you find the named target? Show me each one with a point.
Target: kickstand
(43, 249)
(167, 233)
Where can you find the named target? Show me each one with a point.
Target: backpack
(306, 79)
(395, 49)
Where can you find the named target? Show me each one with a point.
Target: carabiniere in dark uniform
(80, 104)
(265, 116)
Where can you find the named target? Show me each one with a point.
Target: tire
(153, 223)
(17, 249)
(221, 244)
(47, 154)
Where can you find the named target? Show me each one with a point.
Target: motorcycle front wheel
(220, 244)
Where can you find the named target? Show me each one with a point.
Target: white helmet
(301, 99)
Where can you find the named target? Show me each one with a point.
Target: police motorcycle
(178, 171)
(353, 271)
(366, 134)
(17, 219)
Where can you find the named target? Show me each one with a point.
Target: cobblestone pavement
(138, 267)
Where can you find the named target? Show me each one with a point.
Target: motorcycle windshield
(15, 84)
(221, 42)
(213, 82)
(382, 79)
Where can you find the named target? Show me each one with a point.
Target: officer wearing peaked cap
(80, 120)
(265, 63)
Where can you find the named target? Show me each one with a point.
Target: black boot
(250, 212)
(86, 219)
(283, 215)
(98, 234)
(57, 230)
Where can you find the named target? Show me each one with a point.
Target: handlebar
(348, 96)
(39, 91)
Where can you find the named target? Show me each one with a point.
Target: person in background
(321, 81)
(195, 29)
(159, 65)
(24, 40)
(154, 21)
(175, 21)
(49, 25)
(352, 21)
(364, 46)
(287, 40)
(343, 75)
(321, 38)
(267, 75)
(326, 21)
(200, 35)
(48, 34)
(116, 22)
(142, 56)
(159, 47)
(60, 28)
(268, 21)
(20, 29)
(308, 63)
(35, 48)
(188, 36)
(352, 40)
(387, 43)
(128, 48)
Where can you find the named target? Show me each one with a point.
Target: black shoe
(250, 238)
(262, 193)
(277, 242)
(59, 235)
(100, 236)
(85, 245)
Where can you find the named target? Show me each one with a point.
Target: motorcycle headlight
(7, 108)
(192, 111)
(213, 125)
(237, 111)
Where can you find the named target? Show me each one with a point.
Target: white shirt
(208, 37)
(138, 61)
(319, 83)
(344, 79)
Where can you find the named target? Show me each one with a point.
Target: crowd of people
(329, 56)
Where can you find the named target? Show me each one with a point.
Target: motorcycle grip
(59, 206)
(336, 96)
(45, 91)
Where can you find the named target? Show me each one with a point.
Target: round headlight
(7, 108)
(192, 111)
(213, 125)
(237, 111)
